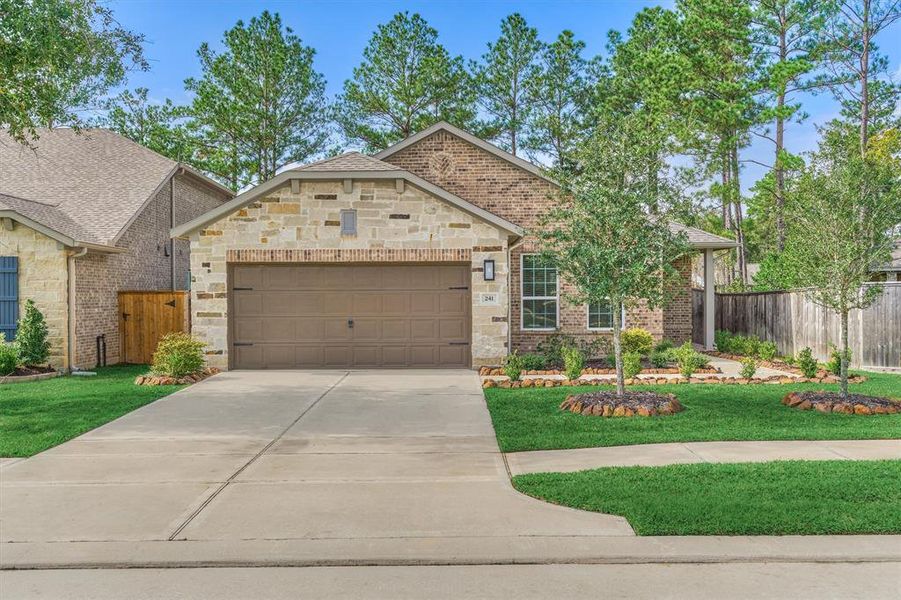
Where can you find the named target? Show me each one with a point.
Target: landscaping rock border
(186, 380)
(11, 379)
(497, 371)
(832, 402)
(489, 382)
(631, 404)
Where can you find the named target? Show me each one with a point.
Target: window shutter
(9, 296)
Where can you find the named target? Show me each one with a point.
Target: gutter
(70, 304)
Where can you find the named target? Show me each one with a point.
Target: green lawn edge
(38, 415)
(530, 418)
(771, 498)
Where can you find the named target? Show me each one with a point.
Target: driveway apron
(287, 455)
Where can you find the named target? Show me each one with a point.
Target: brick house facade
(440, 190)
(86, 215)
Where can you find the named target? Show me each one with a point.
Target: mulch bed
(28, 371)
(595, 368)
(186, 380)
(832, 402)
(631, 404)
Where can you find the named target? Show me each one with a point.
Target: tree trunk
(739, 229)
(779, 171)
(844, 359)
(864, 77)
(617, 307)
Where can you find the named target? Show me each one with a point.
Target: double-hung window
(600, 316)
(539, 293)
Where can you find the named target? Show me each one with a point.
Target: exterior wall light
(488, 270)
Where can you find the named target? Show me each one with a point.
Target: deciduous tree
(56, 57)
(158, 126)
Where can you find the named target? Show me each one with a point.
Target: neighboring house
(82, 216)
(416, 257)
(892, 270)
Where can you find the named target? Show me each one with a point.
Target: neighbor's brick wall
(43, 278)
(99, 276)
(522, 198)
(409, 227)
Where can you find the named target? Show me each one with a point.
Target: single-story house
(417, 256)
(84, 215)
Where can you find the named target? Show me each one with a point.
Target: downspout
(70, 304)
(510, 292)
(171, 241)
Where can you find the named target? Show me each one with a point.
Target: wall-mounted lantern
(488, 270)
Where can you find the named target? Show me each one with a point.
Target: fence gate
(145, 317)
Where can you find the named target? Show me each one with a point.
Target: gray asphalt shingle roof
(349, 161)
(86, 185)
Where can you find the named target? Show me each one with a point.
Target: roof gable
(91, 184)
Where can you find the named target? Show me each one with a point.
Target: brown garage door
(337, 316)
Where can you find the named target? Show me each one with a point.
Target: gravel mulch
(608, 404)
(832, 402)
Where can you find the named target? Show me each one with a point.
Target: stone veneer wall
(43, 278)
(411, 226)
(508, 191)
(100, 276)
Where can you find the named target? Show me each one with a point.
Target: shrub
(177, 355)
(767, 350)
(834, 364)
(9, 356)
(689, 359)
(722, 340)
(663, 346)
(636, 339)
(748, 367)
(807, 363)
(532, 362)
(660, 359)
(573, 362)
(513, 366)
(631, 364)
(551, 348)
(31, 338)
(789, 360)
(747, 345)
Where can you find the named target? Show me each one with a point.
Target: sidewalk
(655, 455)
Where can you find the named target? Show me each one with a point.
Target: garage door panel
(452, 329)
(296, 316)
(248, 277)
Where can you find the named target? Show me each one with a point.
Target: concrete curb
(512, 550)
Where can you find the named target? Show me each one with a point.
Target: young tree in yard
(504, 77)
(841, 216)
(159, 127)
(600, 234)
(261, 95)
(557, 93)
(406, 82)
(58, 56)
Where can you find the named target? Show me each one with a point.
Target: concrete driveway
(252, 459)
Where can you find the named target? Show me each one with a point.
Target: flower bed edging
(497, 371)
(632, 404)
(489, 382)
(11, 379)
(832, 402)
(186, 380)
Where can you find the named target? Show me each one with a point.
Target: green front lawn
(775, 498)
(41, 414)
(530, 418)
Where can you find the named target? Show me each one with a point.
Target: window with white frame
(539, 293)
(600, 316)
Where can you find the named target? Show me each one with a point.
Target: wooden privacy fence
(145, 317)
(792, 321)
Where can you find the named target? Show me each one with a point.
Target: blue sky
(339, 30)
